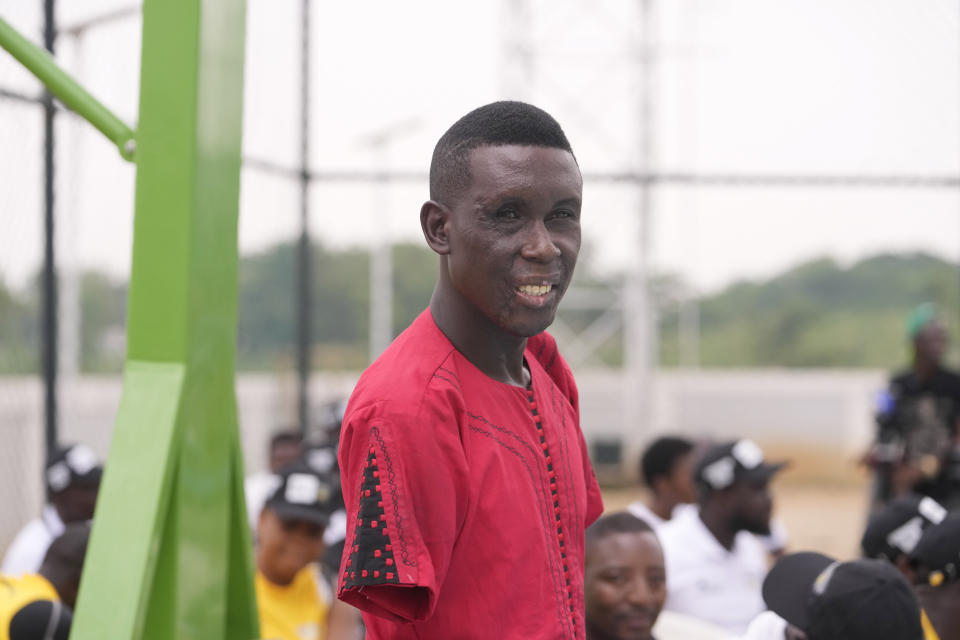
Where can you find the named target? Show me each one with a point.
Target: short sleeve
(405, 486)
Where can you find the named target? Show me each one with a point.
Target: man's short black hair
(496, 124)
(660, 458)
(620, 522)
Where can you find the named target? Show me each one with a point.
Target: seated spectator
(715, 563)
(895, 529)
(624, 579)
(831, 600)
(667, 470)
(73, 479)
(937, 558)
(624, 585)
(38, 606)
(285, 448)
(294, 599)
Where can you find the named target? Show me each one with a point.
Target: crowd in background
(701, 557)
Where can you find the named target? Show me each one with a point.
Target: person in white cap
(715, 563)
(73, 479)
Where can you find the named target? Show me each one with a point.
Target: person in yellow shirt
(294, 600)
(38, 606)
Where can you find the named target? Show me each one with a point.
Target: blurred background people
(919, 420)
(72, 481)
(294, 599)
(831, 600)
(666, 467)
(38, 606)
(937, 583)
(625, 585)
(625, 581)
(286, 447)
(894, 531)
(715, 563)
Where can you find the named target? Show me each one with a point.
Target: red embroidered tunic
(467, 497)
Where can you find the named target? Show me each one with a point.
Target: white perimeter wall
(831, 410)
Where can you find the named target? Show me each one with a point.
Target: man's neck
(495, 352)
(661, 506)
(940, 603)
(719, 526)
(924, 369)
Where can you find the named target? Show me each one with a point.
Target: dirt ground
(818, 516)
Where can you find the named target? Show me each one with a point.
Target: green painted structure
(170, 556)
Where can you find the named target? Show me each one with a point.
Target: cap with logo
(75, 465)
(858, 600)
(300, 493)
(939, 551)
(896, 529)
(725, 464)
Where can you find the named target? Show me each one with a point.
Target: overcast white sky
(791, 86)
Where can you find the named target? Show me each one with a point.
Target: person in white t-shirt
(73, 479)
(666, 467)
(715, 562)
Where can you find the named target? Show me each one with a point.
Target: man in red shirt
(465, 473)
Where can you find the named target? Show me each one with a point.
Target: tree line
(816, 314)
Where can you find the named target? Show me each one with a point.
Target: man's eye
(508, 213)
(563, 214)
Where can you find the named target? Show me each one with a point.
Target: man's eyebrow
(568, 202)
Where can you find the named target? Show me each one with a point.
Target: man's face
(283, 453)
(624, 586)
(514, 234)
(76, 503)
(752, 505)
(931, 342)
(284, 547)
(680, 481)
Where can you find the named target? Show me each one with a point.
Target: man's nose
(639, 592)
(538, 244)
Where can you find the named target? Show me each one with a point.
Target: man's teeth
(536, 289)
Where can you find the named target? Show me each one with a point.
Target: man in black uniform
(918, 448)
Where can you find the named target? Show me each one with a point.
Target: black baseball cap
(46, 619)
(73, 465)
(300, 493)
(830, 600)
(725, 464)
(896, 529)
(939, 551)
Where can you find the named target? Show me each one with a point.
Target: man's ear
(434, 221)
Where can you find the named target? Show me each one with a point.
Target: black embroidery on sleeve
(371, 560)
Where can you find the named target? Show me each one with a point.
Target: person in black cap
(894, 531)
(73, 480)
(831, 600)
(714, 564)
(937, 558)
(38, 606)
(294, 599)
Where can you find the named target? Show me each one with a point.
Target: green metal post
(66, 89)
(170, 557)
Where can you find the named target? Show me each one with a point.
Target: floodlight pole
(304, 293)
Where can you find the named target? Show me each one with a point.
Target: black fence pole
(49, 338)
